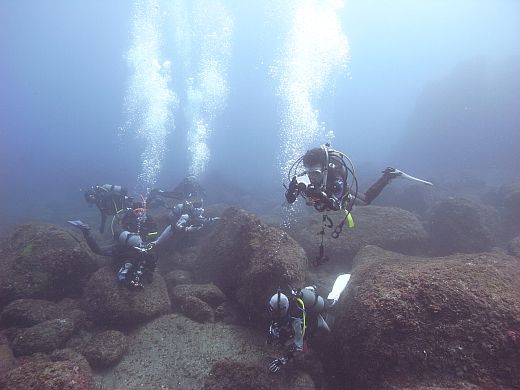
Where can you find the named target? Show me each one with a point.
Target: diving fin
(399, 173)
(338, 287)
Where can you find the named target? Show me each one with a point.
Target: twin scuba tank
(313, 302)
(115, 190)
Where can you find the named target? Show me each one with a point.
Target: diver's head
(278, 305)
(90, 196)
(139, 210)
(315, 163)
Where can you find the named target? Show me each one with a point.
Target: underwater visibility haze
(147, 92)
(232, 94)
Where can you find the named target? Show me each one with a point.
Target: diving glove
(192, 228)
(392, 173)
(293, 185)
(276, 364)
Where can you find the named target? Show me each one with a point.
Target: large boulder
(249, 260)
(209, 293)
(110, 303)
(461, 225)
(196, 309)
(450, 319)
(29, 312)
(232, 374)
(43, 261)
(105, 349)
(197, 301)
(388, 227)
(42, 372)
(43, 337)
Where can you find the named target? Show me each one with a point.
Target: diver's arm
(375, 189)
(165, 235)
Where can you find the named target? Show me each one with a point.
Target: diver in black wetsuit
(132, 252)
(298, 315)
(109, 199)
(188, 189)
(323, 182)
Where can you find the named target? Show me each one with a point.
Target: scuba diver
(109, 199)
(298, 315)
(320, 176)
(185, 217)
(132, 252)
(188, 188)
(136, 219)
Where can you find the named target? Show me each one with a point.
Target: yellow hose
(302, 306)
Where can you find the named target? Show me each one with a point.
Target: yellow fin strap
(350, 220)
(302, 305)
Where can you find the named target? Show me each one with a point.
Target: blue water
(142, 93)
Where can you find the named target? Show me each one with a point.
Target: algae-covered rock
(43, 261)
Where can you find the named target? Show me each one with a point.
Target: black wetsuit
(109, 202)
(337, 194)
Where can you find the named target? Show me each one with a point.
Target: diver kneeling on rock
(133, 257)
(297, 316)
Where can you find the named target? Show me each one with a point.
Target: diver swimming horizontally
(188, 189)
(321, 176)
(187, 216)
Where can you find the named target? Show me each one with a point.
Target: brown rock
(41, 373)
(43, 261)
(106, 349)
(197, 310)
(209, 293)
(43, 337)
(108, 302)
(249, 260)
(454, 318)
